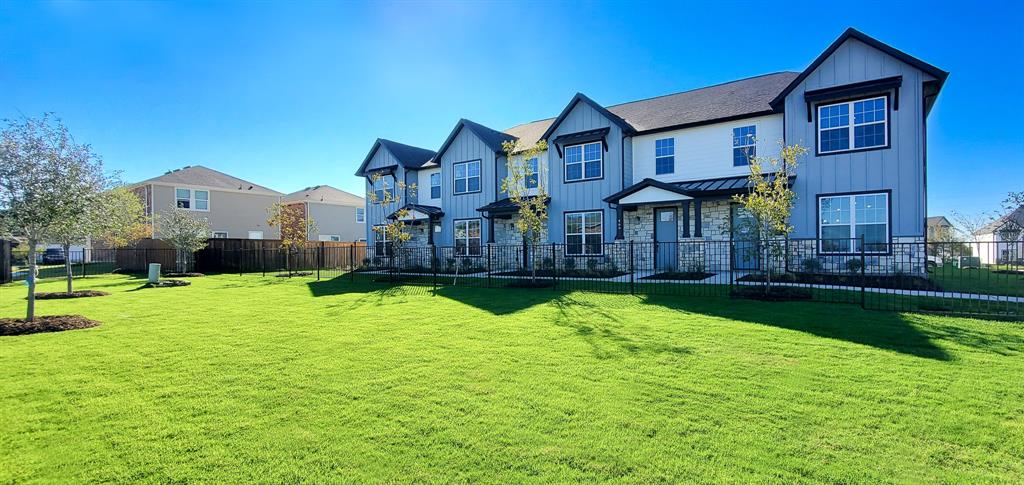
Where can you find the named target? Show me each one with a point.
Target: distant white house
(1002, 240)
(340, 216)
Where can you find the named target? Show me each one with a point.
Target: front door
(744, 239)
(666, 233)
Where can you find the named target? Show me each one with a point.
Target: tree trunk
(67, 266)
(30, 312)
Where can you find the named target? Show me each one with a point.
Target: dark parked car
(53, 256)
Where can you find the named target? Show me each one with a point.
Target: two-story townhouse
(338, 215)
(233, 207)
(395, 168)
(664, 169)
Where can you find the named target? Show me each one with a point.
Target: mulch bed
(566, 273)
(778, 293)
(58, 295)
(54, 323)
(297, 273)
(166, 284)
(183, 275)
(889, 282)
(680, 276)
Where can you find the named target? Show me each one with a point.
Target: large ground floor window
(845, 219)
(584, 233)
(381, 244)
(467, 237)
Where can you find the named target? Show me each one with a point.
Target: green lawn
(246, 378)
(978, 280)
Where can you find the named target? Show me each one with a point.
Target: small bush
(366, 261)
(569, 263)
(450, 263)
(592, 264)
(811, 265)
(547, 263)
(854, 266)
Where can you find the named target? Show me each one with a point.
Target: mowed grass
(238, 379)
(979, 280)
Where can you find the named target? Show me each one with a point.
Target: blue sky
(291, 95)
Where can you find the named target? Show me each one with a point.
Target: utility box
(154, 272)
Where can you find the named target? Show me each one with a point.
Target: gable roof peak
(580, 97)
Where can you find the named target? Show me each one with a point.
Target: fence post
(239, 261)
(554, 267)
(352, 263)
(83, 261)
(863, 278)
(263, 261)
(433, 264)
(489, 247)
(632, 270)
(319, 260)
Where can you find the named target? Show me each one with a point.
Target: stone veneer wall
(710, 252)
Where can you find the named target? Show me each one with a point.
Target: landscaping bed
(167, 284)
(567, 273)
(50, 323)
(680, 276)
(295, 273)
(902, 282)
(183, 275)
(777, 293)
(59, 295)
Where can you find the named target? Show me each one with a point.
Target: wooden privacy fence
(262, 255)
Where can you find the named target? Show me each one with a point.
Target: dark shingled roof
(207, 177)
(409, 156)
(504, 206)
(736, 99)
(694, 188)
(491, 137)
(429, 210)
(1015, 218)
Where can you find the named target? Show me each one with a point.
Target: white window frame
(192, 199)
(852, 125)
(329, 238)
(746, 143)
(671, 156)
(360, 215)
(853, 241)
(385, 188)
(583, 162)
(466, 239)
(436, 176)
(583, 235)
(467, 178)
(534, 174)
(255, 232)
(214, 234)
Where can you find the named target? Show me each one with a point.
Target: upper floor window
(381, 189)
(869, 125)
(360, 214)
(467, 237)
(584, 233)
(220, 234)
(665, 156)
(533, 177)
(583, 162)
(435, 185)
(197, 200)
(744, 146)
(467, 177)
(845, 219)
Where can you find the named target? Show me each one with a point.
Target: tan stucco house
(235, 208)
(340, 216)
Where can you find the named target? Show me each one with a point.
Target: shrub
(854, 265)
(547, 263)
(569, 263)
(592, 264)
(450, 263)
(366, 261)
(811, 265)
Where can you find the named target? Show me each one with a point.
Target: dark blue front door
(744, 246)
(666, 233)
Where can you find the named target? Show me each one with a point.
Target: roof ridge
(703, 87)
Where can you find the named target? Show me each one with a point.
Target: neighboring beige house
(339, 215)
(1002, 240)
(940, 229)
(235, 208)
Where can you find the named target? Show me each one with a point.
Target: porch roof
(658, 191)
(504, 206)
(418, 212)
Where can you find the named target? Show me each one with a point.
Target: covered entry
(666, 234)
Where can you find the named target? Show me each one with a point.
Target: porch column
(686, 218)
(618, 223)
(490, 230)
(696, 218)
(430, 231)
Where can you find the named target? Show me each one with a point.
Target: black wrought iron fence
(968, 278)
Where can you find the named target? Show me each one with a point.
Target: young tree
(769, 201)
(394, 230)
(185, 232)
(121, 215)
(295, 228)
(43, 173)
(527, 189)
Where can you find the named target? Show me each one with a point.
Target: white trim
(329, 238)
(751, 143)
(583, 161)
(467, 177)
(852, 124)
(214, 235)
(649, 195)
(583, 234)
(467, 238)
(361, 220)
(256, 232)
(192, 199)
(852, 225)
(439, 185)
(671, 156)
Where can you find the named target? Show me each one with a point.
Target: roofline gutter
(693, 124)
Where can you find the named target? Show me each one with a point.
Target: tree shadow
(603, 333)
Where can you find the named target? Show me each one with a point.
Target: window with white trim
(845, 219)
(255, 234)
(220, 234)
(533, 173)
(664, 156)
(467, 237)
(869, 125)
(583, 162)
(467, 177)
(381, 189)
(435, 185)
(197, 200)
(360, 215)
(329, 238)
(584, 233)
(743, 145)
(381, 244)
